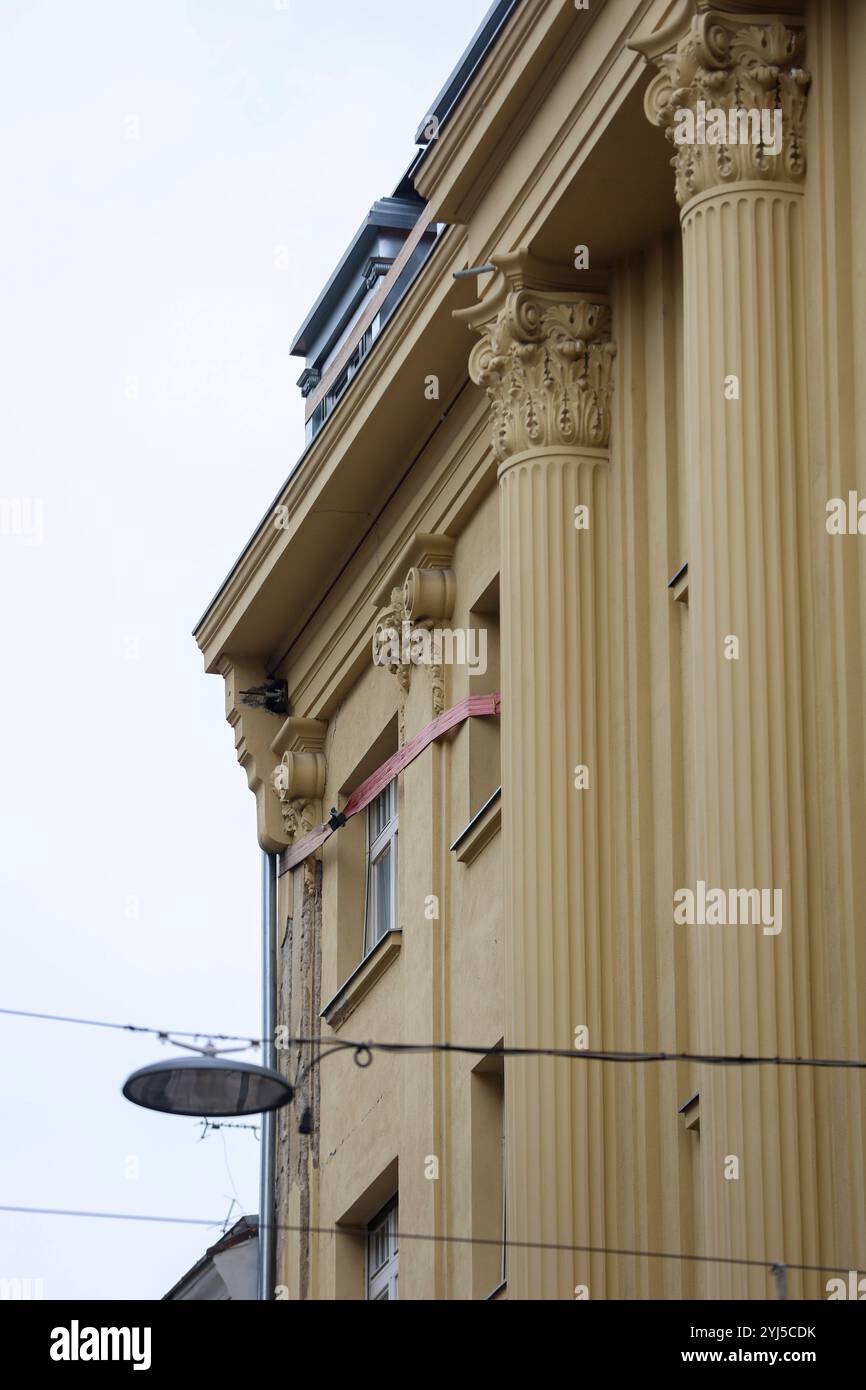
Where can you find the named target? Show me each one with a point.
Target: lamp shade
(205, 1086)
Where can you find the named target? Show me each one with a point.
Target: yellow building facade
(596, 478)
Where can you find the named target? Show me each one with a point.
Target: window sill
(362, 980)
(480, 830)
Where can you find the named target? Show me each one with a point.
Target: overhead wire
(363, 1050)
(560, 1247)
(363, 1056)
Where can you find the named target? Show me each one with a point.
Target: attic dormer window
(343, 320)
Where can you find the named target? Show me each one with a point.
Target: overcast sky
(157, 157)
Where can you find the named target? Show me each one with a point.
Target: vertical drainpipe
(267, 1234)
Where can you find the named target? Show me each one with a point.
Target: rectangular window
(383, 1255)
(381, 914)
(485, 773)
(487, 1103)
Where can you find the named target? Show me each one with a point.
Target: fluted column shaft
(743, 276)
(746, 458)
(545, 358)
(553, 926)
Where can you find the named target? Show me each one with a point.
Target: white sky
(155, 157)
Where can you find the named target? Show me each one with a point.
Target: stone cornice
(222, 625)
(265, 568)
(324, 667)
(538, 33)
(545, 359)
(728, 57)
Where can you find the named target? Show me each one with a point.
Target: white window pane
(382, 1258)
(382, 890)
(380, 812)
(381, 905)
(383, 810)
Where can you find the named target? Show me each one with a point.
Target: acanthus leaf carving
(393, 650)
(546, 362)
(735, 66)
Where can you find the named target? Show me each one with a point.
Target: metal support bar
(267, 1233)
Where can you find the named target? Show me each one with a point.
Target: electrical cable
(363, 1056)
(552, 1246)
(165, 1033)
(363, 1050)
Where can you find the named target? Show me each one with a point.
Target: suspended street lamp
(206, 1085)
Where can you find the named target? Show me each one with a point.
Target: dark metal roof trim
(482, 42)
(388, 212)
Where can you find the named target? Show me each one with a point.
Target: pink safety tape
(474, 706)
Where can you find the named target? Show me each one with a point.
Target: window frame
(386, 1275)
(384, 842)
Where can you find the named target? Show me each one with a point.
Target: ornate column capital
(545, 358)
(730, 93)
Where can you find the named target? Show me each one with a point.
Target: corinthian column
(741, 203)
(545, 358)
